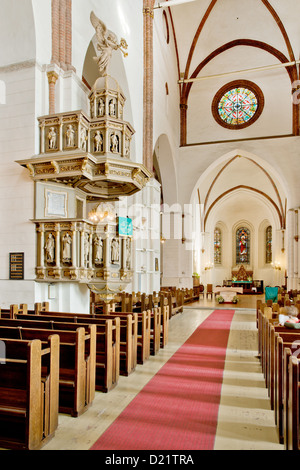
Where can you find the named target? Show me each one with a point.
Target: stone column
(82, 248)
(42, 138)
(55, 32)
(52, 79)
(61, 136)
(106, 258)
(74, 263)
(57, 245)
(41, 246)
(69, 35)
(183, 120)
(296, 238)
(90, 259)
(62, 34)
(148, 84)
(123, 253)
(290, 248)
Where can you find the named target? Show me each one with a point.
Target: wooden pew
(293, 405)
(155, 325)
(155, 322)
(107, 361)
(268, 360)
(263, 316)
(129, 335)
(143, 331)
(165, 319)
(76, 365)
(143, 303)
(29, 375)
(280, 390)
(260, 311)
(128, 325)
(162, 303)
(128, 340)
(175, 302)
(258, 306)
(283, 342)
(287, 353)
(155, 331)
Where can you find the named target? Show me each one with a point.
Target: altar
(228, 293)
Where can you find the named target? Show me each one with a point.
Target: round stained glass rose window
(238, 104)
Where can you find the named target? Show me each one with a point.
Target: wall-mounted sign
(125, 227)
(16, 266)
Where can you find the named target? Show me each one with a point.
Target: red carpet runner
(178, 408)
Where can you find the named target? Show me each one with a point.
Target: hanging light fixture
(104, 212)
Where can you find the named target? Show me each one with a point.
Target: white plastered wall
(17, 136)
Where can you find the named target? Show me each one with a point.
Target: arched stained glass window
(217, 246)
(242, 246)
(269, 245)
(238, 104)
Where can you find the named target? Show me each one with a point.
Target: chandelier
(103, 212)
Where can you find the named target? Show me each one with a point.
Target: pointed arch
(249, 188)
(280, 207)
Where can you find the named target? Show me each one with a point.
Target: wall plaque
(16, 266)
(56, 204)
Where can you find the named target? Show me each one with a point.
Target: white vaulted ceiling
(217, 37)
(202, 26)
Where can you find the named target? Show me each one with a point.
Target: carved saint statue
(101, 108)
(98, 141)
(49, 247)
(70, 134)
(83, 138)
(112, 108)
(98, 249)
(67, 242)
(115, 252)
(114, 143)
(107, 43)
(52, 138)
